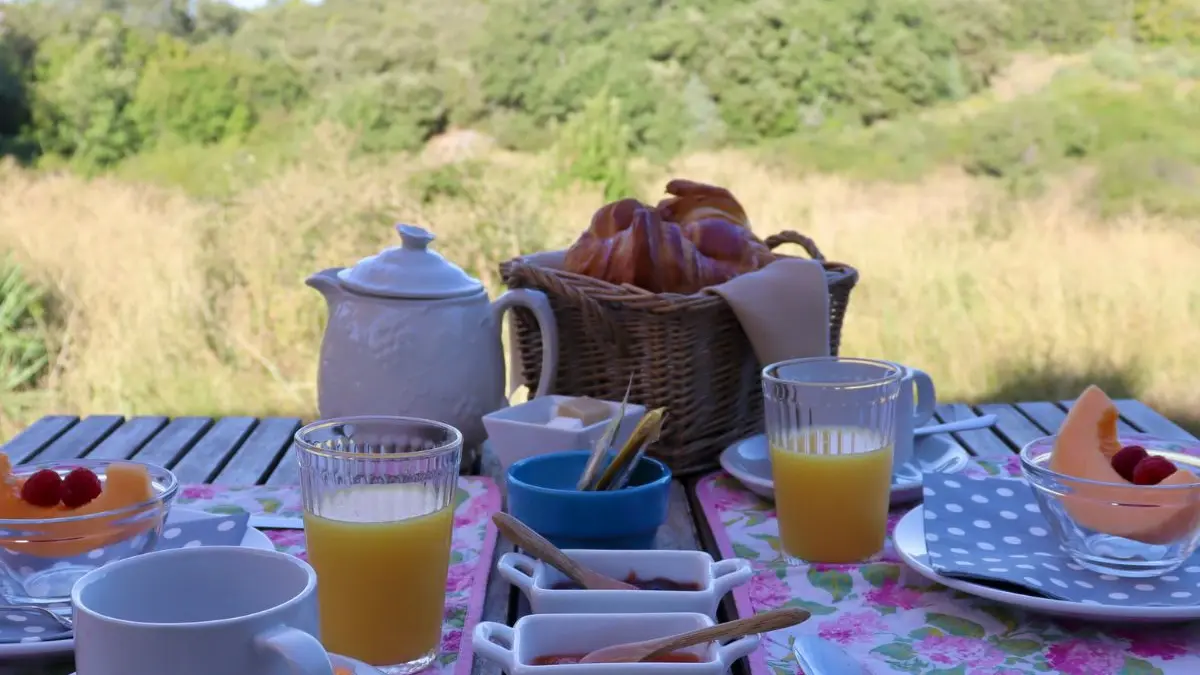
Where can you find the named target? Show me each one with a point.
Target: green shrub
(594, 147)
(206, 95)
(83, 88)
(1062, 25)
(389, 112)
(1167, 22)
(1152, 176)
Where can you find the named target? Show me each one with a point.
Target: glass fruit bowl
(41, 558)
(1119, 528)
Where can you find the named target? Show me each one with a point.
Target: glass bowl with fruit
(59, 520)
(1127, 506)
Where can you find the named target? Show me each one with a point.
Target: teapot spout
(327, 284)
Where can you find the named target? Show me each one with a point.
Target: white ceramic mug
(199, 611)
(909, 414)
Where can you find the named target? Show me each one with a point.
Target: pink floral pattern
(895, 622)
(474, 541)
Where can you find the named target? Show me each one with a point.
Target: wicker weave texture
(687, 353)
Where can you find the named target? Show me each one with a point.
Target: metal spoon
(981, 422)
(633, 652)
(543, 550)
(64, 621)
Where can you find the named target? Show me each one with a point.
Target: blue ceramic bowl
(542, 494)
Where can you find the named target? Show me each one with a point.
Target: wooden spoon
(633, 652)
(543, 550)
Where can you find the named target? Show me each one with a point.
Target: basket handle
(789, 237)
(524, 274)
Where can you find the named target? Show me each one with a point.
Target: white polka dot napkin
(20, 626)
(991, 529)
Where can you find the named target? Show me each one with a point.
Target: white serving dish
(536, 580)
(520, 431)
(539, 635)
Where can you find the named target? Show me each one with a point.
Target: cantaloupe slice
(1084, 448)
(125, 485)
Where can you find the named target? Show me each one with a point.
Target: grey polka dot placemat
(991, 529)
(28, 626)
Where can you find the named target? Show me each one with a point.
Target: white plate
(909, 537)
(252, 539)
(358, 667)
(748, 461)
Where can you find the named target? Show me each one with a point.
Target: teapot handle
(539, 304)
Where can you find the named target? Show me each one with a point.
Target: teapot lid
(411, 270)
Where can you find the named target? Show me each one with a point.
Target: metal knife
(821, 657)
(266, 521)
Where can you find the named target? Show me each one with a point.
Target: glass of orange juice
(830, 424)
(378, 514)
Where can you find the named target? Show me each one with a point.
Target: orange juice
(832, 487)
(381, 553)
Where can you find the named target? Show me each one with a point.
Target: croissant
(698, 237)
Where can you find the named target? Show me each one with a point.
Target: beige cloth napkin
(783, 307)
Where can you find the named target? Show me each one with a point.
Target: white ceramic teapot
(412, 334)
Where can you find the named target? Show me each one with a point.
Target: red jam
(567, 659)
(655, 584)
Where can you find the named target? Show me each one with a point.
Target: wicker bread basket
(688, 352)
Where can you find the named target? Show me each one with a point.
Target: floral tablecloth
(470, 558)
(896, 622)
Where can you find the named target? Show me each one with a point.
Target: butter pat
(588, 411)
(565, 423)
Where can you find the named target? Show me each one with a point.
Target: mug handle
(303, 651)
(481, 641)
(539, 304)
(926, 397)
(510, 567)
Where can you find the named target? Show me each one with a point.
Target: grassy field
(174, 304)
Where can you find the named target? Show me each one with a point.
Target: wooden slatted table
(245, 450)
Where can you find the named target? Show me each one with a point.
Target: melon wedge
(124, 485)
(1084, 449)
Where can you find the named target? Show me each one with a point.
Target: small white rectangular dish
(714, 579)
(540, 635)
(521, 431)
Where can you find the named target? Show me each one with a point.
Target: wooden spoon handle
(759, 623)
(537, 545)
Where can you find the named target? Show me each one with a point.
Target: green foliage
(595, 147)
(1128, 115)
(388, 111)
(696, 74)
(24, 354)
(205, 95)
(143, 84)
(1167, 22)
(83, 89)
(1063, 25)
(1153, 176)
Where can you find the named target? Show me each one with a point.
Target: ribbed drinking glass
(379, 497)
(830, 423)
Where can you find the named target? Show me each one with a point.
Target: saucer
(909, 541)
(252, 539)
(748, 461)
(356, 667)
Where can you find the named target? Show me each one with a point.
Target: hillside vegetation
(1018, 181)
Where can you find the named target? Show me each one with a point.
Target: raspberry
(43, 488)
(1152, 471)
(80, 487)
(1125, 461)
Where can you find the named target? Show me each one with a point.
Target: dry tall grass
(176, 306)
